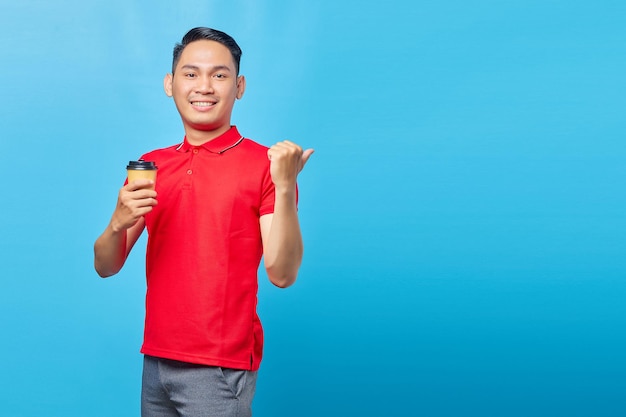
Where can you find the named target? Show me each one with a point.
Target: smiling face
(204, 87)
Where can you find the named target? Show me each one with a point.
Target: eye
(190, 75)
(220, 75)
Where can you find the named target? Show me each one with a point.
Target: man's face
(205, 86)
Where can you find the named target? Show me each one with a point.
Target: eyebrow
(214, 68)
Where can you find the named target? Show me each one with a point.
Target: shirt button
(195, 151)
(189, 172)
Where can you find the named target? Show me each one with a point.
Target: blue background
(464, 212)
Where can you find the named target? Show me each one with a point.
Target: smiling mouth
(202, 103)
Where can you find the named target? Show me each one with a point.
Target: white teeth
(202, 103)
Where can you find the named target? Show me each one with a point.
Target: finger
(139, 184)
(287, 145)
(134, 197)
(278, 150)
(131, 199)
(144, 193)
(142, 211)
(144, 201)
(307, 154)
(305, 157)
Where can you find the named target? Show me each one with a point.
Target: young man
(220, 203)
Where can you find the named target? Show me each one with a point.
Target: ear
(167, 84)
(241, 86)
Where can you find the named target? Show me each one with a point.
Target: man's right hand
(133, 202)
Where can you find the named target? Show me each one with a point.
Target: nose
(205, 85)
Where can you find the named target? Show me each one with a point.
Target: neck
(199, 137)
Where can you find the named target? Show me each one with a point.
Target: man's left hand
(287, 160)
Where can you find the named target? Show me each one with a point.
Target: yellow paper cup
(141, 170)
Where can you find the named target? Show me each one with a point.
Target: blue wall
(464, 212)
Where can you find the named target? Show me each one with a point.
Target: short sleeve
(268, 194)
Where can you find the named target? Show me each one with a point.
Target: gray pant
(179, 389)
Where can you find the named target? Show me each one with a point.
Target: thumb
(306, 155)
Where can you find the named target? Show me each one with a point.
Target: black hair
(202, 33)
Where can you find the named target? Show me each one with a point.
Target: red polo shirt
(204, 250)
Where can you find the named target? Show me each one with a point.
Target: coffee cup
(141, 170)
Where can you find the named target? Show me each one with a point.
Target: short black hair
(202, 33)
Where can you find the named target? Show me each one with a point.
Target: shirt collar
(220, 144)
